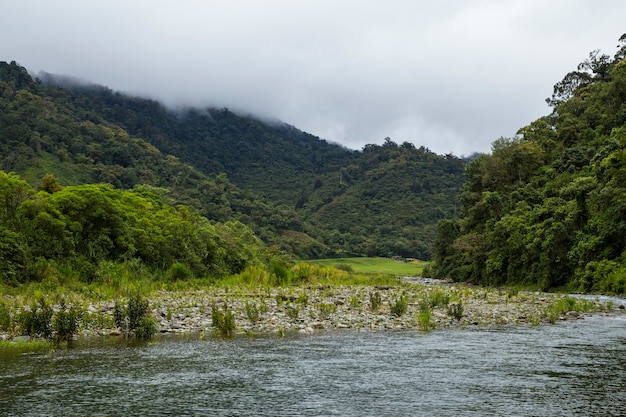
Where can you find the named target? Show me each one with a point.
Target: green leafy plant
(179, 272)
(455, 310)
(303, 298)
(134, 318)
(399, 306)
(252, 312)
(375, 300)
(292, 311)
(326, 309)
(423, 316)
(36, 321)
(438, 298)
(223, 320)
(6, 321)
(66, 322)
(354, 301)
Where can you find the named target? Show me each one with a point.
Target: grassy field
(374, 266)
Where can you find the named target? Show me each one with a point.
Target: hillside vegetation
(303, 195)
(548, 207)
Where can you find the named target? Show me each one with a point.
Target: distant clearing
(374, 266)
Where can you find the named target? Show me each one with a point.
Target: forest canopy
(78, 227)
(548, 207)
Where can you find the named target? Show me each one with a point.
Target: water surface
(570, 369)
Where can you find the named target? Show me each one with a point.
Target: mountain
(303, 194)
(548, 207)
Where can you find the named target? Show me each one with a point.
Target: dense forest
(296, 192)
(548, 207)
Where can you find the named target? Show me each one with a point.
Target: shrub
(399, 306)
(438, 298)
(354, 301)
(292, 312)
(326, 309)
(146, 327)
(37, 321)
(6, 321)
(375, 300)
(252, 312)
(179, 272)
(223, 320)
(423, 316)
(456, 310)
(65, 323)
(279, 273)
(303, 298)
(134, 317)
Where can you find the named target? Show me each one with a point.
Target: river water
(569, 369)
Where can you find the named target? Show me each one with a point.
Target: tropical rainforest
(547, 208)
(91, 176)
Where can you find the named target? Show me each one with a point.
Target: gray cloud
(452, 75)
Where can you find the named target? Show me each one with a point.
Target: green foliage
(134, 317)
(223, 320)
(66, 322)
(325, 310)
(82, 226)
(252, 312)
(438, 297)
(36, 321)
(455, 310)
(375, 300)
(279, 272)
(292, 312)
(564, 305)
(399, 306)
(423, 316)
(292, 189)
(547, 208)
(179, 272)
(375, 265)
(6, 321)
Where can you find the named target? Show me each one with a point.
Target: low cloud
(452, 76)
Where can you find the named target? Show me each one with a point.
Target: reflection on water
(575, 368)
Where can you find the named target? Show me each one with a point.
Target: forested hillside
(548, 207)
(304, 195)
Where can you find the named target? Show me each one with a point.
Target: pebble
(190, 311)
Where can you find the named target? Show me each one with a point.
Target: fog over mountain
(452, 76)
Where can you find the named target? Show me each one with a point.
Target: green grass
(383, 266)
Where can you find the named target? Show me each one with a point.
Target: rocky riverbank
(413, 304)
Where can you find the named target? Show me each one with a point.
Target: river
(573, 368)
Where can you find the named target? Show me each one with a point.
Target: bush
(37, 321)
(223, 320)
(438, 298)
(423, 316)
(134, 317)
(292, 312)
(252, 312)
(279, 273)
(326, 309)
(375, 300)
(179, 272)
(65, 323)
(399, 306)
(456, 310)
(146, 327)
(6, 321)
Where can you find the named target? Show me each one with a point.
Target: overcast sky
(450, 75)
